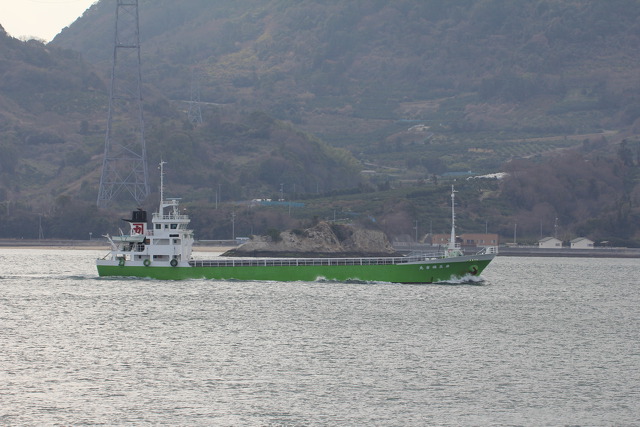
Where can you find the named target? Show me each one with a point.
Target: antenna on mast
(162, 163)
(452, 240)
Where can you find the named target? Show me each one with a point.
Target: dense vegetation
(488, 78)
(301, 96)
(52, 126)
(544, 66)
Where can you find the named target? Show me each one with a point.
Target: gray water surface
(541, 341)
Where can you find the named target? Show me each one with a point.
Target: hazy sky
(40, 18)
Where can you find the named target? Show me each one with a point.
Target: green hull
(424, 272)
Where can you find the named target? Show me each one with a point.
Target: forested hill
(407, 89)
(544, 65)
(486, 81)
(53, 111)
(48, 96)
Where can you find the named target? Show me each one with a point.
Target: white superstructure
(168, 242)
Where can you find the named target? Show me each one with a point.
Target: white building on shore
(581, 243)
(549, 243)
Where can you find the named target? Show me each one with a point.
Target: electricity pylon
(124, 167)
(195, 114)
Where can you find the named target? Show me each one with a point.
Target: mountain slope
(47, 98)
(514, 50)
(411, 88)
(53, 111)
(481, 75)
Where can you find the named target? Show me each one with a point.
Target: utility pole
(233, 225)
(40, 232)
(124, 166)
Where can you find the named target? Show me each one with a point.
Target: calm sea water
(541, 341)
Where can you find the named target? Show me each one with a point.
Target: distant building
(581, 243)
(467, 239)
(440, 239)
(549, 243)
(479, 239)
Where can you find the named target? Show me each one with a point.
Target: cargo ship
(163, 251)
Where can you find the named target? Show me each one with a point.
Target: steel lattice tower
(124, 168)
(195, 114)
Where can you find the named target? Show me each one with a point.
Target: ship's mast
(452, 240)
(162, 163)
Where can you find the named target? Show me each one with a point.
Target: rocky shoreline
(323, 240)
